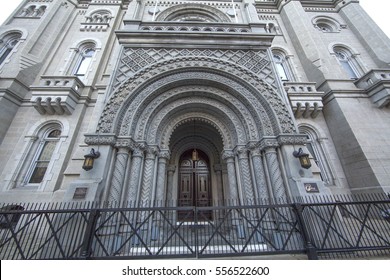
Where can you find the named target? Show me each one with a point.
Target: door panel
(194, 188)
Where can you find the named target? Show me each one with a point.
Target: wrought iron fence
(331, 227)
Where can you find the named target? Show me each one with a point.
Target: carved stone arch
(179, 98)
(63, 125)
(211, 85)
(177, 12)
(228, 135)
(118, 113)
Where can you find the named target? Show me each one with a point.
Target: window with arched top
(47, 144)
(347, 62)
(193, 12)
(83, 59)
(7, 44)
(316, 148)
(282, 66)
(99, 17)
(327, 24)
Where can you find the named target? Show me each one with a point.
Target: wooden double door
(194, 186)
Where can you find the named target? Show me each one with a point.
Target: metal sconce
(89, 159)
(303, 158)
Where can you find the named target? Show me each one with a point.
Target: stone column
(161, 175)
(228, 156)
(119, 175)
(246, 180)
(135, 173)
(169, 194)
(275, 175)
(147, 179)
(220, 190)
(261, 182)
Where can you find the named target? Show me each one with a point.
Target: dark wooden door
(194, 187)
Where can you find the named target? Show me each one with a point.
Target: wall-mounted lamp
(89, 159)
(303, 158)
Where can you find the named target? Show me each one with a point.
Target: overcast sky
(378, 9)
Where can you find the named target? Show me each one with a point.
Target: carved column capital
(242, 153)
(266, 144)
(255, 152)
(137, 152)
(171, 168)
(227, 155)
(164, 155)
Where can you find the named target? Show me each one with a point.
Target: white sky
(378, 9)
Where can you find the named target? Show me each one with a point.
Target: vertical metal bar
(86, 249)
(311, 251)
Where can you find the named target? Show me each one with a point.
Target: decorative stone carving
(119, 175)
(246, 178)
(148, 172)
(296, 139)
(136, 59)
(175, 12)
(261, 182)
(275, 175)
(264, 98)
(135, 174)
(100, 139)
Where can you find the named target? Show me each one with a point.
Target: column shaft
(119, 175)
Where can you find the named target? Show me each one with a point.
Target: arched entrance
(194, 184)
(242, 124)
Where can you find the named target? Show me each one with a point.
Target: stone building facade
(243, 83)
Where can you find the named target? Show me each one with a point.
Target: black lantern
(89, 158)
(303, 158)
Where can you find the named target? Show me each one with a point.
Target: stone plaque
(80, 193)
(311, 187)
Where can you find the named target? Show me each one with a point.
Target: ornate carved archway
(234, 105)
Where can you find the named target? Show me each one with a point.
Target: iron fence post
(86, 249)
(311, 250)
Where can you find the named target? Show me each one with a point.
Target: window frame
(318, 154)
(84, 61)
(43, 140)
(9, 43)
(283, 63)
(348, 62)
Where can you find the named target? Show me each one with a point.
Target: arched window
(327, 24)
(84, 60)
(7, 44)
(348, 62)
(47, 143)
(282, 66)
(99, 17)
(318, 156)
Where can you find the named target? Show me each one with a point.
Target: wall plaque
(80, 193)
(311, 187)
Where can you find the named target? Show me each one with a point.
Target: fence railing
(331, 227)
